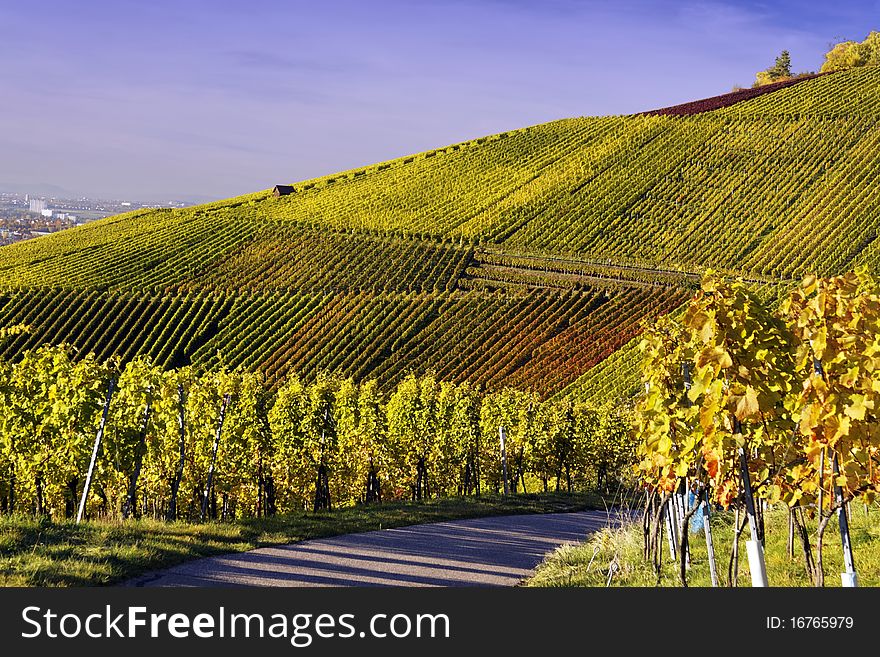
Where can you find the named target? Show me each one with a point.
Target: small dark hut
(283, 190)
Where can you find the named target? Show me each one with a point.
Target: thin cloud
(222, 97)
(264, 60)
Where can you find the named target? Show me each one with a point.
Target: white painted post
(754, 547)
(85, 494)
(683, 491)
(710, 546)
(503, 435)
(755, 551)
(848, 579)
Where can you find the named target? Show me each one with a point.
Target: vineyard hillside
(525, 258)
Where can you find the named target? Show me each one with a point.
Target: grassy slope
(768, 187)
(43, 553)
(570, 566)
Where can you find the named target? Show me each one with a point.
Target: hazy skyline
(188, 99)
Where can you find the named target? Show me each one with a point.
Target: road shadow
(497, 551)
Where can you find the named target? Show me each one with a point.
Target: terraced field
(525, 258)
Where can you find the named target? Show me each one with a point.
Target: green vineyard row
(181, 444)
(537, 341)
(731, 189)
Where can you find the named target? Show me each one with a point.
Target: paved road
(498, 551)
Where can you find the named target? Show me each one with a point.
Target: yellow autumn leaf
(809, 419)
(809, 284)
(698, 387)
(714, 355)
(843, 426)
(819, 342)
(747, 406)
(707, 418)
(664, 445)
(858, 407)
(707, 331)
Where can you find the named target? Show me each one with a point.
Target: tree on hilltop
(843, 55)
(782, 67)
(850, 54)
(781, 70)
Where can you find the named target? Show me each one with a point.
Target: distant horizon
(174, 101)
(44, 190)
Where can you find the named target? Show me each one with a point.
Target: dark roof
(281, 190)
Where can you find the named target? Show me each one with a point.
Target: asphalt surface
(499, 551)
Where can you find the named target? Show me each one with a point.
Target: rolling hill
(527, 258)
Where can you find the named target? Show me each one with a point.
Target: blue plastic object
(697, 519)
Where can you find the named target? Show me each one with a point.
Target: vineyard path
(615, 269)
(495, 551)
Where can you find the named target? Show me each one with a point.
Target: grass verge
(37, 552)
(588, 564)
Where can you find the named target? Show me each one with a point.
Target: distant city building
(46, 213)
(37, 205)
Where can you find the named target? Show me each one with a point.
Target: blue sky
(149, 100)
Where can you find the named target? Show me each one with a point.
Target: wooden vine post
(214, 449)
(181, 445)
(130, 505)
(671, 534)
